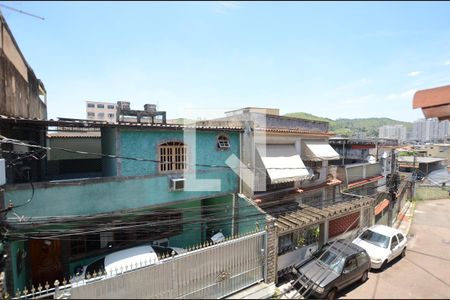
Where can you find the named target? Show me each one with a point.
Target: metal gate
(211, 272)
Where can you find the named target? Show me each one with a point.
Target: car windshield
(375, 238)
(331, 259)
(162, 251)
(96, 266)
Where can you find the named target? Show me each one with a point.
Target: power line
(6, 140)
(208, 209)
(21, 11)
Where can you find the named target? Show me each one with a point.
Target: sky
(200, 59)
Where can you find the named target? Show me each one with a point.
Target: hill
(306, 116)
(350, 127)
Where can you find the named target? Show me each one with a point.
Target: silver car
(331, 269)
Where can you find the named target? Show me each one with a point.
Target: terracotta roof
(435, 102)
(298, 131)
(87, 134)
(364, 181)
(382, 205)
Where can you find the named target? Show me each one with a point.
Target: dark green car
(332, 268)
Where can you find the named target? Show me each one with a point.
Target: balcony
(355, 174)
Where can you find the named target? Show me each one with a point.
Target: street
(425, 271)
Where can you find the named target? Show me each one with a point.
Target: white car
(383, 244)
(124, 260)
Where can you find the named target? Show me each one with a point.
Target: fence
(207, 271)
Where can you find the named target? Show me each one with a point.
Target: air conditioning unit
(177, 184)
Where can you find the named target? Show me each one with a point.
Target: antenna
(20, 11)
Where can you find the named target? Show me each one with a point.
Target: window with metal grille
(172, 157)
(223, 142)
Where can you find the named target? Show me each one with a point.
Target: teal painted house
(170, 185)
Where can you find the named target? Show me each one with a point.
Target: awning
(282, 162)
(320, 151)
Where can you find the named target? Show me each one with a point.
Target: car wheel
(365, 276)
(384, 265)
(332, 294)
(403, 252)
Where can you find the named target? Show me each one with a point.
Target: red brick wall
(340, 225)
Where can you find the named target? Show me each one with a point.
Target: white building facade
(101, 111)
(431, 130)
(397, 132)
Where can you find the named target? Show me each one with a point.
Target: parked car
(383, 244)
(332, 268)
(126, 259)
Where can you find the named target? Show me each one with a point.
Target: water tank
(150, 108)
(123, 105)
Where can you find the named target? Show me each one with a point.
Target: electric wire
(185, 221)
(220, 207)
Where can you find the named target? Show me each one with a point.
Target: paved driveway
(425, 271)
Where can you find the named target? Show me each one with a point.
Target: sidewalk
(405, 218)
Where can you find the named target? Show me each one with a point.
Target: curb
(402, 214)
(408, 212)
(413, 209)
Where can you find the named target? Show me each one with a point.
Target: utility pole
(392, 184)
(413, 178)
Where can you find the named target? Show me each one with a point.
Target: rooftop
(434, 102)
(419, 159)
(101, 124)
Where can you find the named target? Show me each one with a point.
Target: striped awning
(320, 152)
(282, 162)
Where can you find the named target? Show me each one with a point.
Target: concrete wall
(80, 144)
(102, 195)
(108, 145)
(19, 87)
(144, 144)
(436, 150)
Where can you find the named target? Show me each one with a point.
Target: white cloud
(447, 63)
(401, 96)
(223, 6)
(414, 73)
(230, 4)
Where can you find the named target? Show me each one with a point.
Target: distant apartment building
(430, 130)
(101, 111)
(397, 132)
